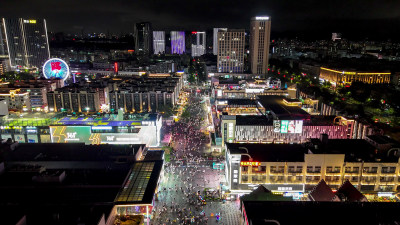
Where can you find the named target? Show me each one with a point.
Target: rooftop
(269, 152)
(308, 212)
(141, 183)
(253, 120)
(355, 150)
(276, 105)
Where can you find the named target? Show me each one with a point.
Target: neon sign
(250, 163)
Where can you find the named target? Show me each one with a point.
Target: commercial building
(159, 42)
(337, 77)
(231, 45)
(177, 42)
(260, 32)
(77, 183)
(215, 39)
(27, 42)
(17, 99)
(198, 43)
(74, 100)
(37, 95)
(143, 33)
(298, 168)
(56, 128)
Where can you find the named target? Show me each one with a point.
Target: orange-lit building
(347, 77)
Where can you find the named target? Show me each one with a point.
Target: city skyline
(355, 19)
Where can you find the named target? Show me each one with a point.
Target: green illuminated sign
(284, 126)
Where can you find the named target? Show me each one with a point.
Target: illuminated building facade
(159, 42)
(260, 31)
(297, 168)
(198, 43)
(27, 42)
(50, 128)
(177, 42)
(337, 77)
(16, 99)
(231, 45)
(73, 100)
(215, 39)
(143, 33)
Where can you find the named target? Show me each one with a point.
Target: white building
(198, 43)
(215, 39)
(159, 42)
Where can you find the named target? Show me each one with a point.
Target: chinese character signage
(250, 163)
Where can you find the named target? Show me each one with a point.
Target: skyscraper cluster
(25, 41)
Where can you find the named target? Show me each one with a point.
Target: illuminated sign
(56, 68)
(284, 126)
(70, 134)
(299, 126)
(250, 163)
(288, 126)
(29, 21)
(277, 126)
(262, 18)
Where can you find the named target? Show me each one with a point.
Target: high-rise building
(27, 42)
(198, 43)
(143, 38)
(231, 51)
(215, 39)
(177, 42)
(260, 31)
(159, 42)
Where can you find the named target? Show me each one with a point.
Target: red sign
(116, 67)
(250, 163)
(55, 66)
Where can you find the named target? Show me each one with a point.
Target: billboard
(288, 126)
(70, 134)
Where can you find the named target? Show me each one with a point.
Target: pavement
(182, 181)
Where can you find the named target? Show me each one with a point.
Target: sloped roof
(321, 193)
(351, 193)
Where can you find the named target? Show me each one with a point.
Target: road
(189, 173)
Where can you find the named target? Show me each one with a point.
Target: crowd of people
(188, 174)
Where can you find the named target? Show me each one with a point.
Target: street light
(87, 109)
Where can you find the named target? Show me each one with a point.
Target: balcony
(280, 172)
(351, 172)
(314, 173)
(332, 172)
(295, 172)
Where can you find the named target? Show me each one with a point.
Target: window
(347, 169)
(337, 169)
(245, 168)
(309, 169)
(299, 169)
(272, 169)
(354, 179)
(298, 178)
(291, 169)
(317, 169)
(356, 169)
(281, 169)
(374, 170)
(392, 169)
(366, 169)
(329, 169)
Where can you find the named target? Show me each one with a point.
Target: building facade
(159, 42)
(177, 42)
(143, 38)
(16, 99)
(27, 42)
(337, 77)
(304, 168)
(198, 43)
(73, 100)
(260, 31)
(231, 45)
(215, 39)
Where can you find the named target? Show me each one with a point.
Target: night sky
(356, 19)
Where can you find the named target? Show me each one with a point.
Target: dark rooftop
(253, 120)
(350, 193)
(70, 152)
(276, 106)
(381, 139)
(322, 192)
(310, 213)
(354, 150)
(269, 152)
(240, 102)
